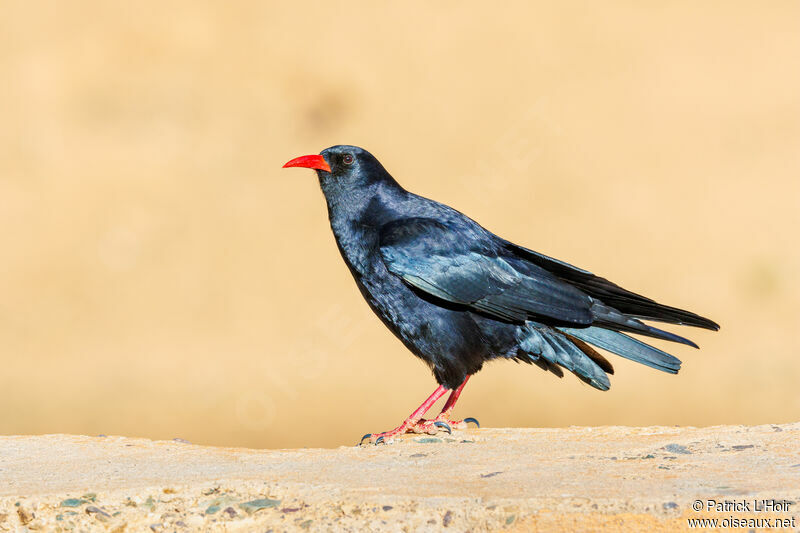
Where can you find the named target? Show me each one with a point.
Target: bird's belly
(449, 340)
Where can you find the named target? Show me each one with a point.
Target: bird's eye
(347, 159)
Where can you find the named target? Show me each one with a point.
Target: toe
(473, 420)
(444, 425)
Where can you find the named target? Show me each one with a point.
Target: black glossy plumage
(458, 295)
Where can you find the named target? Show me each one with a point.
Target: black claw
(368, 435)
(444, 426)
(380, 441)
(474, 421)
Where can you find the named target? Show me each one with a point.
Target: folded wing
(463, 266)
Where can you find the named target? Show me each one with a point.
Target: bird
(458, 296)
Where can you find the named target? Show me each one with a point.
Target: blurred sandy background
(162, 276)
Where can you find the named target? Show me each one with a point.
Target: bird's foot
(443, 422)
(409, 426)
(444, 418)
(430, 427)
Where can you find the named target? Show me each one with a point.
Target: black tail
(549, 349)
(626, 347)
(616, 310)
(609, 318)
(611, 294)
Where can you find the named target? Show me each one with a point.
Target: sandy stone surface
(615, 478)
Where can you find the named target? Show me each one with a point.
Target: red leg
(444, 415)
(416, 424)
(451, 401)
(409, 422)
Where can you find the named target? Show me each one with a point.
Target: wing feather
(465, 267)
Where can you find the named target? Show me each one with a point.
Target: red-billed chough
(457, 295)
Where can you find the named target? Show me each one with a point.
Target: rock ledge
(619, 478)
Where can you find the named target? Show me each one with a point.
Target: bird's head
(344, 169)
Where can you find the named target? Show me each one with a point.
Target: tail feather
(578, 363)
(547, 347)
(593, 354)
(544, 364)
(641, 306)
(627, 347)
(609, 318)
(628, 302)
